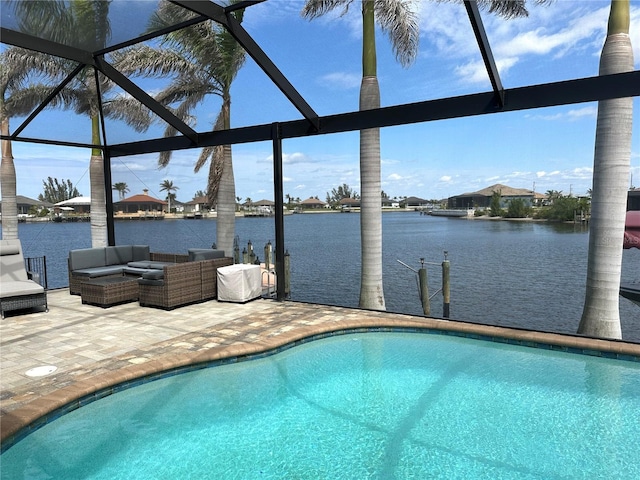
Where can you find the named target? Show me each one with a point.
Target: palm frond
(129, 110)
(215, 174)
(203, 158)
(49, 19)
(316, 8)
(148, 61)
(509, 8)
(24, 100)
(400, 22)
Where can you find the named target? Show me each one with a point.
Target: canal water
(519, 274)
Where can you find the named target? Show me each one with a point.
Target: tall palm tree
(169, 187)
(398, 20)
(85, 24)
(122, 188)
(204, 60)
(611, 169)
(17, 97)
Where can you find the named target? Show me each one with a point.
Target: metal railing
(37, 269)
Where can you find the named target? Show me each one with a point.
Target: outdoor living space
(93, 349)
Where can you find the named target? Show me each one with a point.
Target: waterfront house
(77, 205)
(140, 203)
(197, 206)
(415, 202)
(482, 198)
(348, 204)
(260, 207)
(27, 206)
(313, 204)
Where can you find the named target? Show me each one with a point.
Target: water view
(520, 274)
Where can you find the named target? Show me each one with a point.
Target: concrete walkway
(94, 348)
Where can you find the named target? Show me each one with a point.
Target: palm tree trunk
(8, 186)
(371, 291)
(611, 168)
(98, 194)
(226, 201)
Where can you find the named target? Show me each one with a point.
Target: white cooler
(239, 283)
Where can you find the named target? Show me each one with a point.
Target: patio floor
(94, 348)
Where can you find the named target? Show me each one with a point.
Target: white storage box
(239, 283)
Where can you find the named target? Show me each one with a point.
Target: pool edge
(17, 424)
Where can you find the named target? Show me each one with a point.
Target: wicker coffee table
(108, 291)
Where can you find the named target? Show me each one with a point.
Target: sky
(542, 149)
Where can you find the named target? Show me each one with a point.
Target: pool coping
(19, 423)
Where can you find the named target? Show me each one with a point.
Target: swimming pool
(374, 405)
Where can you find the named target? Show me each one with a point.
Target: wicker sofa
(182, 283)
(17, 290)
(87, 263)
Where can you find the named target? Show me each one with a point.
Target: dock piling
(424, 289)
(446, 292)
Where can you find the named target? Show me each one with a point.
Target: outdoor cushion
(145, 281)
(118, 255)
(140, 252)
(9, 249)
(18, 288)
(149, 264)
(153, 274)
(99, 271)
(86, 258)
(196, 254)
(11, 264)
(134, 270)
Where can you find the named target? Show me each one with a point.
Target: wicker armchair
(181, 284)
(17, 290)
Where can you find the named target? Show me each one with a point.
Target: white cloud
(341, 80)
(543, 174)
(445, 178)
(287, 179)
(572, 115)
(553, 29)
(476, 72)
(293, 158)
(582, 172)
(395, 176)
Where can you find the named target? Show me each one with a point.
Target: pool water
(374, 405)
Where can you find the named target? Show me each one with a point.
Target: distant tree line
(56, 191)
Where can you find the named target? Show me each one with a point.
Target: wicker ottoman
(108, 291)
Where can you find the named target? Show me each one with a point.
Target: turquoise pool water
(374, 405)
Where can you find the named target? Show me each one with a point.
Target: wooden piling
(287, 276)
(268, 261)
(424, 289)
(446, 292)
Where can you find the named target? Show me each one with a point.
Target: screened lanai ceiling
(284, 111)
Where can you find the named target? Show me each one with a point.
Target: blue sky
(545, 149)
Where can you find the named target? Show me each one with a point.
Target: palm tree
(204, 60)
(17, 97)
(169, 187)
(396, 17)
(83, 23)
(611, 169)
(121, 188)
